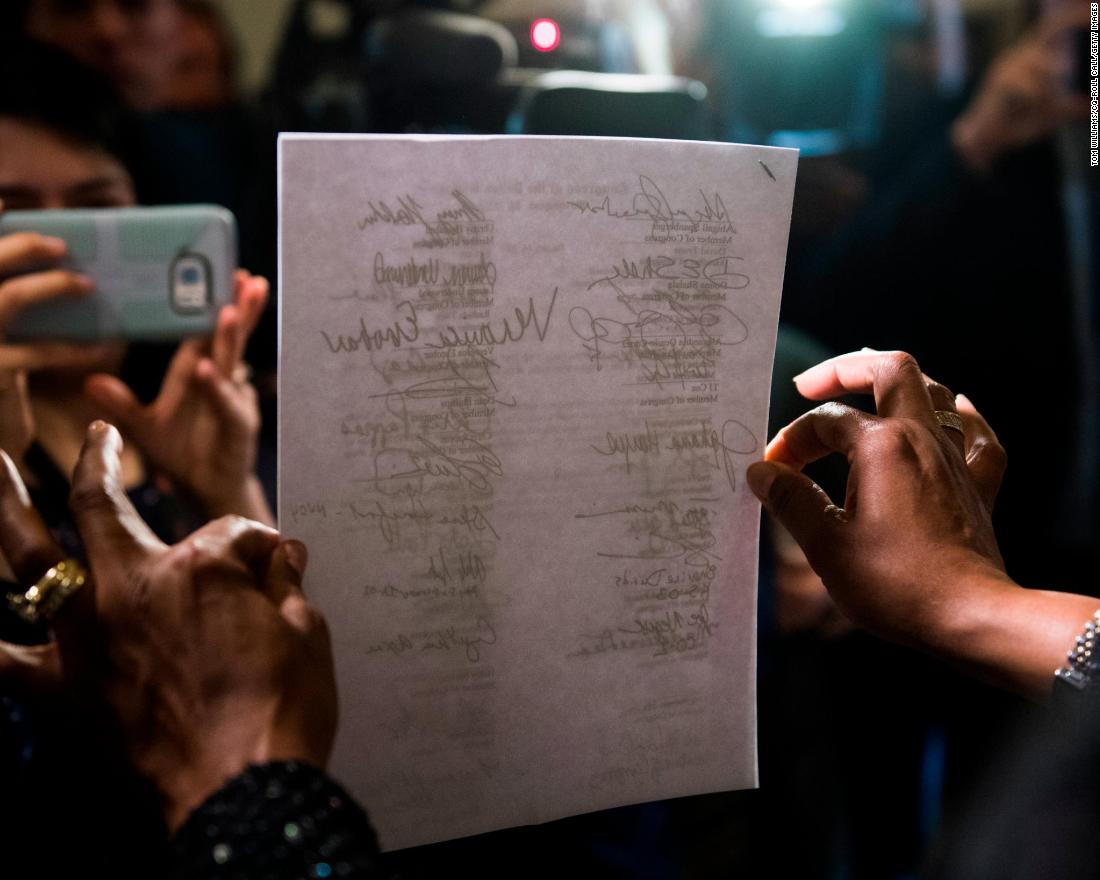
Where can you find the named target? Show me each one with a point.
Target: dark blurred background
(944, 206)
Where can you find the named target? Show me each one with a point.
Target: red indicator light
(545, 34)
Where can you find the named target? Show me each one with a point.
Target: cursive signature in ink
(389, 519)
(405, 329)
(664, 531)
(468, 379)
(472, 518)
(487, 334)
(669, 633)
(472, 468)
(627, 443)
(450, 638)
(445, 223)
(714, 448)
(429, 273)
(676, 360)
(673, 632)
(464, 567)
(446, 639)
(650, 203)
(673, 320)
(717, 272)
(705, 446)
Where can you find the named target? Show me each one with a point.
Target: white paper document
(520, 382)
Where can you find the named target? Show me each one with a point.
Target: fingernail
(869, 350)
(760, 476)
(54, 243)
(84, 283)
(296, 556)
(97, 428)
(204, 370)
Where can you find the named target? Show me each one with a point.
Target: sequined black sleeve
(280, 821)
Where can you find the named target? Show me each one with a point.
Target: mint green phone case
(161, 273)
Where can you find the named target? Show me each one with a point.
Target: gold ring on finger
(948, 419)
(40, 603)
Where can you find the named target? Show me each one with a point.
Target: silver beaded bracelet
(1079, 668)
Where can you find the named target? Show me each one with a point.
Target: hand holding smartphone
(160, 273)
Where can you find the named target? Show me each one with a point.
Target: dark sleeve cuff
(281, 820)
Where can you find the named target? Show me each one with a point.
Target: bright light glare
(791, 23)
(545, 35)
(799, 4)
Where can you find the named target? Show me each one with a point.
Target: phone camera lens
(190, 279)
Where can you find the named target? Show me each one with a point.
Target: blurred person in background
(158, 54)
(205, 73)
(971, 228)
(174, 63)
(193, 446)
(948, 235)
(62, 149)
(134, 43)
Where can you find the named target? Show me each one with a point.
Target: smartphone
(160, 273)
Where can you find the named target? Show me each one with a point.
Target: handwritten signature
(468, 566)
(389, 519)
(429, 273)
(676, 361)
(446, 223)
(673, 632)
(487, 334)
(673, 321)
(450, 638)
(668, 584)
(442, 640)
(650, 203)
(404, 330)
(717, 272)
(472, 518)
(694, 546)
(667, 532)
(468, 380)
(469, 517)
(472, 467)
(706, 446)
